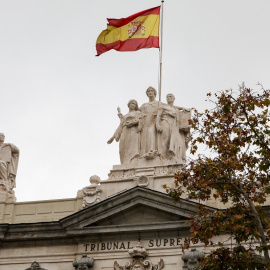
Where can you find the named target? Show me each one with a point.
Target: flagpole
(160, 51)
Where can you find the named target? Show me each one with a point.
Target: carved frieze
(167, 170)
(139, 262)
(153, 171)
(116, 175)
(128, 174)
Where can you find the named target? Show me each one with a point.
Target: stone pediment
(139, 214)
(137, 206)
(134, 213)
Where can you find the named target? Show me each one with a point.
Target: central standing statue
(148, 124)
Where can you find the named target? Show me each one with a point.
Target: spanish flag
(135, 32)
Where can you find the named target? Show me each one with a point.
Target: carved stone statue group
(155, 130)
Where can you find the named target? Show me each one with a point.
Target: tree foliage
(236, 137)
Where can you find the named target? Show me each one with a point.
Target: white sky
(58, 101)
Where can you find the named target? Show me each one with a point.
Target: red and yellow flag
(135, 32)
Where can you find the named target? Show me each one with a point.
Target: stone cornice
(89, 222)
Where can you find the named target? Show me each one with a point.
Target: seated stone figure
(9, 157)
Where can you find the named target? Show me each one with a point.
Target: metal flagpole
(160, 51)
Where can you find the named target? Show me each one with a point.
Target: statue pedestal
(7, 197)
(6, 192)
(123, 177)
(155, 167)
(3, 196)
(151, 162)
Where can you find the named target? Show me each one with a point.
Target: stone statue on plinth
(9, 158)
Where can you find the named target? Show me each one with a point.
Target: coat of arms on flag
(135, 32)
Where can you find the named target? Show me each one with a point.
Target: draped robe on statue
(9, 158)
(148, 122)
(129, 137)
(171, 141)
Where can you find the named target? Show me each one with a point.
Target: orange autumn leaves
(233, 168)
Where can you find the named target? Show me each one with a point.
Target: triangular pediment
(136, 206)
(137, 212)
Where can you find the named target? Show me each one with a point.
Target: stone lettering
(165, 242)
(86, 246)
(109, 246)
(115, 245)
(122, 246)
(103, 246)
(152, 243)
(158, 242)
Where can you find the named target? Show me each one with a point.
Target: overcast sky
(59, 101)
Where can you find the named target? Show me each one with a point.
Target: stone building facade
(126, 222)
(106, 232)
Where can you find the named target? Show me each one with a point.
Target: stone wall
(38, 211)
